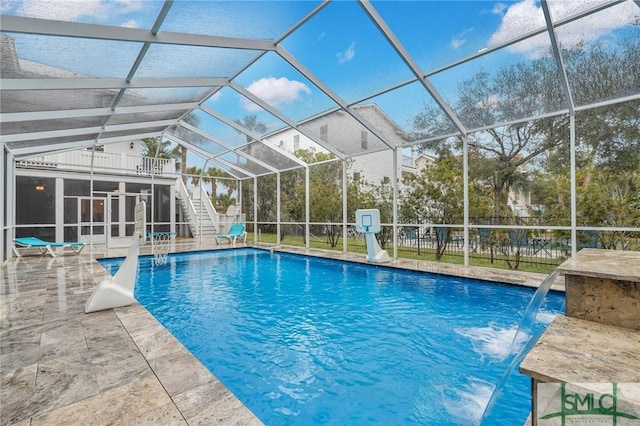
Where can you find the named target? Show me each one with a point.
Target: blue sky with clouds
(340, 45)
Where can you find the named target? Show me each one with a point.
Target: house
(59, 199)
(415, 164)
(340, 129)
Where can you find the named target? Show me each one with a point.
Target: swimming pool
(312, 341)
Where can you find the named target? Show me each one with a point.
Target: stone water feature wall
(596, 345)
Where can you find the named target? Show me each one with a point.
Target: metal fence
(518, 248)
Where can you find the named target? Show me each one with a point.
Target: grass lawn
(527, 263)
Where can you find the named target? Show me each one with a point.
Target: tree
(195, 173)
(607, 137)
(498, 154)
(252, 123)
(180, 151)
(214, 176)
(325, 186)
(150, 147)
(225, 200)
(435, 196)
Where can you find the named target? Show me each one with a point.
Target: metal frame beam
(21, 24)
(230, 148)
(251, 134)
(26, 152)
(109, 83)
(315, 138)
(13, 117)
(411, 63)
(562, 71)
(209, 156)
(332, 95)
(86, 130)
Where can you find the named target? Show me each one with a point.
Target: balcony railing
(104, 162)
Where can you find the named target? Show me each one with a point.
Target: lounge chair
(25, 243)
(236, 231)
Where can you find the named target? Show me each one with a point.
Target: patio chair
(236, 231)
(22, 244)
(519, 240)
(411, 235)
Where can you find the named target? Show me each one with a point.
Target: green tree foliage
(519, 90)
(180, 151)
(215, 177)
(225, 200)
(194, 173)
(325, 193)
(435, 196)
(252, 123)
(151, 146)
(607, 137)
(365, 195)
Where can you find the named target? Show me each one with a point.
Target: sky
(340, 46)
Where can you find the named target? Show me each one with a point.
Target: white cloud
(64, 10)
(520, 18)
(459, 39)
(348, 54)
(127, 5)
(131, 23)
(215, 97)
(72, 10)
(498, 8)
(275, 91)
(526, 16)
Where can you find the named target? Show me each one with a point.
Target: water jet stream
(524, 333)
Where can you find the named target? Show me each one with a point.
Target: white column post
(59, 206)
(574, 210)
(396, 152)
(344, 206)
(172, 208)
(122, 209)
(465, 191)
(255, 209)
(307, 214)
(278, 216)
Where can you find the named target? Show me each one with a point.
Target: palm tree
(252, 123)
(231, 185)
(195, 173)
(212, 176)
(150, 147)
(224, 201)
(181, 150)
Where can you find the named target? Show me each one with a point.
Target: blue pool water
(308, 341)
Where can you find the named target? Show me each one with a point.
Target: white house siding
(374, 168)
(345, 134)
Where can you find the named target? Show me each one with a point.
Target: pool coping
(65, 377)
(502, 276)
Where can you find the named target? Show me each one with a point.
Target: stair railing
(190, 210)
(205, 199)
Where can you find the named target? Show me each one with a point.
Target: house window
(364, 142)
(386, 180)
(356, 176)
(296, 142)
(324, 132)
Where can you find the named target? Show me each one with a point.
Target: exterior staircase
(203, 223)
(198, 210)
